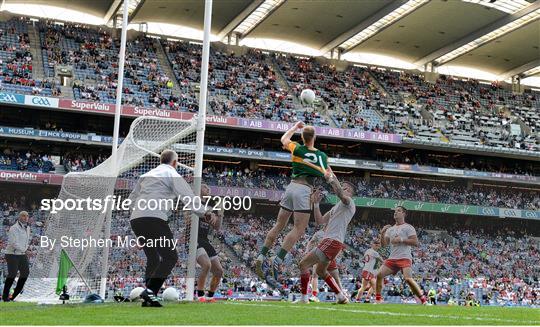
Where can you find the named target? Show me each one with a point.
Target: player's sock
(200, 293)
(378, 297)
(331, 282)
(263, 253)
(281, 254)
(314, 293)
(304, 282)
(423, 299)
(210, 294)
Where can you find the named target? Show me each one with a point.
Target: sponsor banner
(135, 111)
(405, 167)
(218, 149)
(390, 165)
(11, 98)
(451, 171)
(215, 120)
(427, 169)
(17, 131)
(342, 161)
(441, 207)
(529, 214)
(252, 153)
(510, 213)
(369, 136)
(280, 155)
(30, 177)
(247, 152)
(370, 164)
(14, 131)
(34, 100)
(324, 131)
(86, 106)
(271, 195)
(488, 211)
(153, 112)
(468, 210)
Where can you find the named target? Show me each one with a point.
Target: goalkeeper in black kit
(160, 183)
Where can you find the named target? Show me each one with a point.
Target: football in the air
(307, 96)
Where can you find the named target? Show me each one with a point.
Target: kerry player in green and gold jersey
(308, 163)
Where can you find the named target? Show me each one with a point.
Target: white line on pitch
(390, 313)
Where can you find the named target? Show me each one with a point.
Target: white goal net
(99, 269)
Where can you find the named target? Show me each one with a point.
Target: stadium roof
(500, 37)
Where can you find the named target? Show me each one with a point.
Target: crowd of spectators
(16, 61)
(498, 264)
(399, 189)
(243, 85)
(25, 161)
(247, 178)
(81, 162)
(411, 157)
(498, 267)
(256, 84)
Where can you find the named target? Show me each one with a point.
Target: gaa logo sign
(5, 97)
(488, 211)
(511, 213)
(371, 202)
(40, 101)
(531, 214)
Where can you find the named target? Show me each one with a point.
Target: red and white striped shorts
(330, 248)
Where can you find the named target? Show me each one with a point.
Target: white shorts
(297, 198)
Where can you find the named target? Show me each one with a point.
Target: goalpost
(138, 153)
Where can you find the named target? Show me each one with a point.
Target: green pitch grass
(262, 313)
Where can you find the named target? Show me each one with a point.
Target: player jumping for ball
(371, 256)
(336, 220)
(401, 237)
(307, 164)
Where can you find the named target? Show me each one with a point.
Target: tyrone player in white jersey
(336, 220)
(312, 244)
(401, 237)
(371, 256)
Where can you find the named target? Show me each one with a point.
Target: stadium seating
(25, 161)
(16, 61)
(386, 188)
(239, 85)
(266, 86)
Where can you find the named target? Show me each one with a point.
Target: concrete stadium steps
(381, 88)
(60, 169)
(35, 49)
(426, 114)
(67, 92)
(166, 66)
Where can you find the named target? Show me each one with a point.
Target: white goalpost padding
(192, 260)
